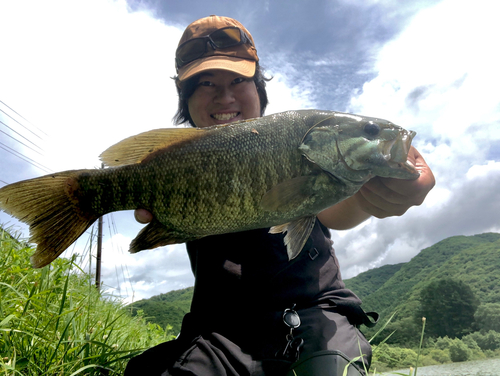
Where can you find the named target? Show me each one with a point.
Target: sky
(78, 76)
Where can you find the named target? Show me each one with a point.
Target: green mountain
(365, 284)
(474, 260)
(166, 309)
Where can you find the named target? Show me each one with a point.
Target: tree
(459, 352)
(449, 307)
(488, 317)
(486, 341)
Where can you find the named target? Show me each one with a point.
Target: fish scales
(223, 179)
(280, 170)
(203, 189)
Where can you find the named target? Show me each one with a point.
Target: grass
(412, 372)
(54, 321)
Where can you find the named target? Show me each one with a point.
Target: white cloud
(284, 91)
(482, 171)
(434, 75)
(440, 79)
(141, 275)
(90, 72)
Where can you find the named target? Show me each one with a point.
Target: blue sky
(87, 74)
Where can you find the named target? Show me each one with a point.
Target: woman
(253, 311)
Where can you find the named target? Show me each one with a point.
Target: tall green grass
(379, 348)
(53, 321)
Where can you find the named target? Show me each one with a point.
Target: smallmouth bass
(277, 171)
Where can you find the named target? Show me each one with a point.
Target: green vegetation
(53, 321)
(367, 283)
(166, 309)
(455, 284)
(453, 302)
(469, 260)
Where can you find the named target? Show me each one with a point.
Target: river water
(488, 367)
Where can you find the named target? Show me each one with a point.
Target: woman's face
(223, 97)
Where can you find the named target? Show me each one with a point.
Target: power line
(125, 273)
(15, 152)
(21, 136)
(25, 158)
(34, 126)
(29, 130)
(15, 139)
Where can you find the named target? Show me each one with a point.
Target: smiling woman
(254, 311)
(244, 281)
(187, 88)
(222, 97)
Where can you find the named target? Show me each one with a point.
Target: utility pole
(99, 251)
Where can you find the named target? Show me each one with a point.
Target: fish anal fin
(136, 148)
(297, 233)
(155, 235)
(288, 194)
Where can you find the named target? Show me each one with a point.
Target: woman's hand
(386, 197)
(381, 197)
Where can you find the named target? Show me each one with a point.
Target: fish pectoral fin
(288, 194)
(297, 233)
(154, 235)
(136, 148)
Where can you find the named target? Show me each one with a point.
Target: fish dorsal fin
(297, 233)
(136, 148)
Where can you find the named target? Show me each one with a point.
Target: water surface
(487, 367)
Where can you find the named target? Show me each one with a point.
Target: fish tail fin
(49, 206)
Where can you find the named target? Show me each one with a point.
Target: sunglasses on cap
(195, 48)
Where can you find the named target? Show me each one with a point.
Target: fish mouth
(395, 152)
(392, 160)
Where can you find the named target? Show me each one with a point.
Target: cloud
(146, 273)
(439, 81)
(88, 72)
(91, 73)
(286, 90)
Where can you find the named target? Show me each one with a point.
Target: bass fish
(277, 171)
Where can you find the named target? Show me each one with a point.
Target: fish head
(356, 148)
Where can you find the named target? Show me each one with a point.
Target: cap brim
(234, 64)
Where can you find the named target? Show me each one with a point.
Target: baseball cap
(240, 58)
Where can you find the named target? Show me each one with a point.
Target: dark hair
(186, 89)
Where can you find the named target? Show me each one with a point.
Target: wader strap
(355, 314)
(367, 321)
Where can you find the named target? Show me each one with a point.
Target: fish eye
(372, 129)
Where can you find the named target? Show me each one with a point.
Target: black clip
(292, 349)
(291, 318)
